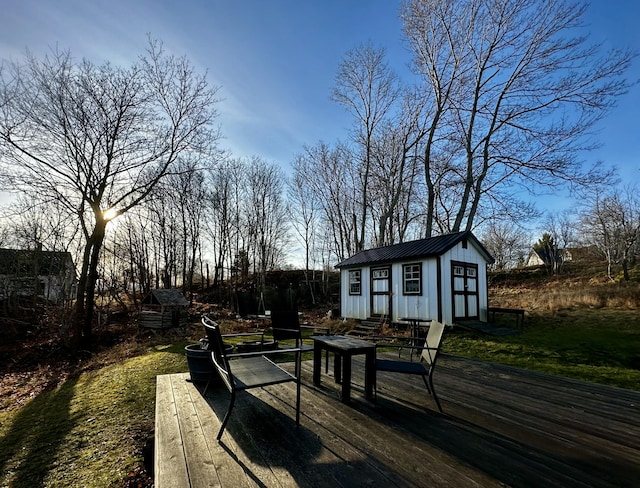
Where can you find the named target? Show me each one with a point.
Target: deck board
(501, 427)
(169, 462)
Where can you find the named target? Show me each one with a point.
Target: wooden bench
(518, 312)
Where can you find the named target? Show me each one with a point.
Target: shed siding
(355, 306)
(424, 305)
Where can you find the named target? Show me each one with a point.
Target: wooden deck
(502, 427)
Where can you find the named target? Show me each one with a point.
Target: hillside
(579, 285)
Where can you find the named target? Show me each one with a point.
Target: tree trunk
(610, 266)
(83, 320)
(625, 269)
(91, 285)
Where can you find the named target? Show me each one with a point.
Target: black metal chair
(286, 326)
(286, 330)
(245, 371)
(424, 367)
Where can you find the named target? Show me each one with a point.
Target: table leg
(414, 335)
(346, 378)
(369, 373)
(317, 364)
(337, 368)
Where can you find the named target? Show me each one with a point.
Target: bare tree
(367, 87)
(507, 243)
(99, 138)
(223, 214)
(612, 223)
(184, 191)
(332, 177)
(513, 91)
(4, 234)
(136, 225)
(37, 222)
(266, 216)
(166, 237)
(562, 227)
(396, 193)
(303, 214)
(43, 226)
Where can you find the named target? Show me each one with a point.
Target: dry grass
(578, 287)
(555, 297)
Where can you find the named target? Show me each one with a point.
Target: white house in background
(49, 275)
(576, 254)
(442, 278)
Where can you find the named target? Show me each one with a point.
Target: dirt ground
(40, 361)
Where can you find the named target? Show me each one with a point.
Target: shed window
(412, 279)
(380, 274)
(354, 282)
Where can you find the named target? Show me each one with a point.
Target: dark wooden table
(345, 348)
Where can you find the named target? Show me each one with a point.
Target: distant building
(543, 256)
(162, 309)
(49, 275)
(538, 257)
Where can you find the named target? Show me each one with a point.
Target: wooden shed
(162, 309)
(442, 278)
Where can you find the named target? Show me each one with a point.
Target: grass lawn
(90, 431)
(598, 345)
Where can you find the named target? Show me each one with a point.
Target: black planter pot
(201, 368)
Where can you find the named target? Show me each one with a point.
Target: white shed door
(380, 290)
(464, 285)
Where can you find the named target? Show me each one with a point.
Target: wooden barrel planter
(201, 368)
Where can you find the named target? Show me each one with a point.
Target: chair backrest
(433, 342)
(285, 325)
(218, 354)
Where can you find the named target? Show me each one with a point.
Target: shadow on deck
(502, 426)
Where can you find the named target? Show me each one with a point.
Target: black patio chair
(424, 367)
(240, 372)
(286, 326)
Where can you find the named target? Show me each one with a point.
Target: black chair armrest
(389, 337)
(401, 346)
(269, 352)
(245, 334)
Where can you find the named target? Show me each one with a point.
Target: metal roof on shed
(422, 248)
(166, 297)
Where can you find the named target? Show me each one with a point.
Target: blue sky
(275, 60)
